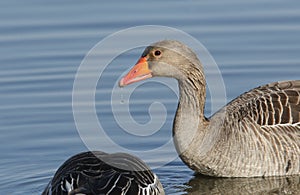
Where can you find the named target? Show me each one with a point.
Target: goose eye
(157, 53)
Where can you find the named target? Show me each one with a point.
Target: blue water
(42, 44)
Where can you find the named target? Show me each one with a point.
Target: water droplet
(122, 101)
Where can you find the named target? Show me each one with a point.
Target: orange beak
(139, 72)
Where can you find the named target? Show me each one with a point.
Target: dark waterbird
(94, 173)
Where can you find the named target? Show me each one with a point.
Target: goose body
(256, 134)
(94, 173)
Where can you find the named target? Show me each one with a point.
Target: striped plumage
(93, 173)
(262, 127)
(256, 134)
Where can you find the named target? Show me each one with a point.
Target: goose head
(168, 58)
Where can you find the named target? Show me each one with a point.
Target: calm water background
(42, 45)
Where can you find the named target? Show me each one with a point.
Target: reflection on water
(268, 185)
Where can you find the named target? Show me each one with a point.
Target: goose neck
(190, 114)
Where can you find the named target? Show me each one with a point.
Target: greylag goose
(256, 134)
(97, 172)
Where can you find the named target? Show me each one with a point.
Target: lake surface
(42, 45)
